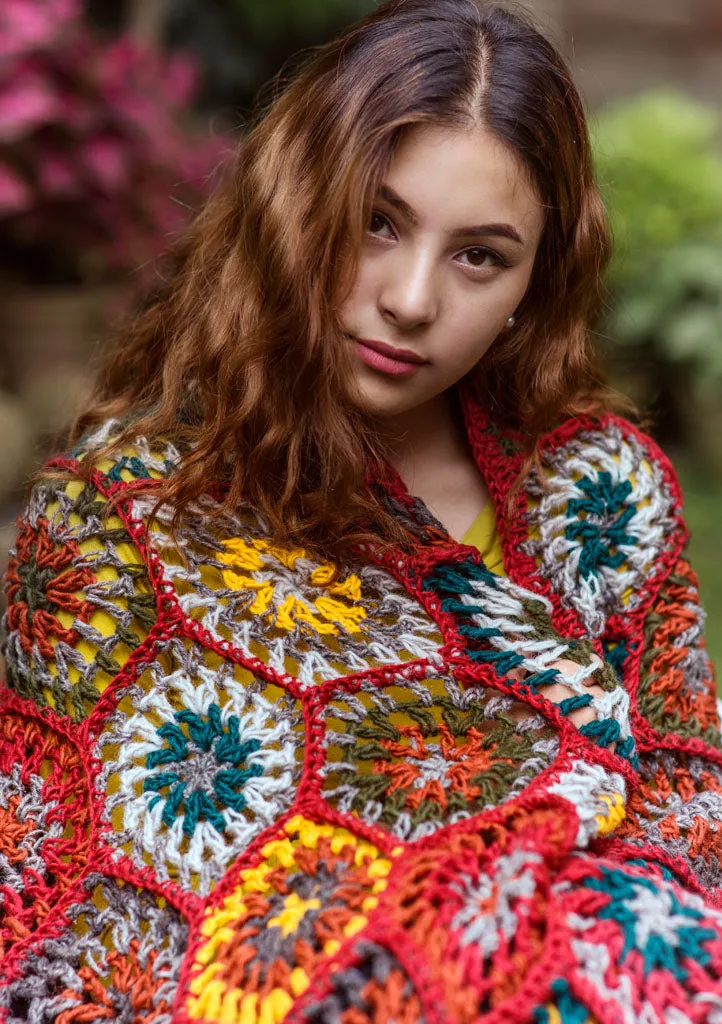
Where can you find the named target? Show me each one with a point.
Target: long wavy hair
(240, 356)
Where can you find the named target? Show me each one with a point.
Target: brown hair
(241, 355)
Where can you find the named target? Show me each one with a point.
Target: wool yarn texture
(239, 785)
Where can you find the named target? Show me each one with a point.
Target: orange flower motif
(464, 761)
(42, 579)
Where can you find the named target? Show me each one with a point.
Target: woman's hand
(558, 691)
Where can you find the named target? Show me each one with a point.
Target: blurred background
(116, 117)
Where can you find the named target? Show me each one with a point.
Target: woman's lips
(379, 358)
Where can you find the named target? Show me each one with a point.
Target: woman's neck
(429, 449)
(433, 431)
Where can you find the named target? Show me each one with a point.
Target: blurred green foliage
(660, 169)
(310, 18)
(659, 163)
(242, 44)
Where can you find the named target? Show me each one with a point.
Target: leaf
(695, 333)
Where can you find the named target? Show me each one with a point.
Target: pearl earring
(510, 322)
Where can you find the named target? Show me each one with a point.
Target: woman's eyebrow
(505, 230)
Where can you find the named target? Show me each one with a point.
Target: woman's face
(449, 253)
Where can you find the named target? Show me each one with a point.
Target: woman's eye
(376, 219)
(478, 255)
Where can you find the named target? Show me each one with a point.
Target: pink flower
(180, 80)
(26, 102)
(57, 177)
(15, 196)
(100, 168)
(33, 24)
(107, 160)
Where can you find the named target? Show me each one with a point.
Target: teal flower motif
(603, 529)
(207, 768)
(133, 464)
(653, 921)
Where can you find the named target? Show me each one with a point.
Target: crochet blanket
(240, 785)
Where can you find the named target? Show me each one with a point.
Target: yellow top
(482, 534)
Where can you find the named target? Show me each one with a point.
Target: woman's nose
(409, 294)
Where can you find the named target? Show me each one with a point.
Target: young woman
(355, 669)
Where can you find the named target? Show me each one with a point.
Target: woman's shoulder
(603, 516)
(606, 440)
(79, 595)
(139, 457)
(613, 462)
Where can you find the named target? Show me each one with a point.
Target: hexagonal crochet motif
(420, 754)
(313, 887)
(300, 616)
(79, 599)
(599, 522)
(476, 916)
(116, 957)
(44, 823)
(678, 808)
(200, 758)
(644, 946)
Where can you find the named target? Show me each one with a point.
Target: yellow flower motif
(617, 812)
(324, 615)
(214, 1001)
(294, 910)
(309, 832)
(240, 556)
(219, 1005)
